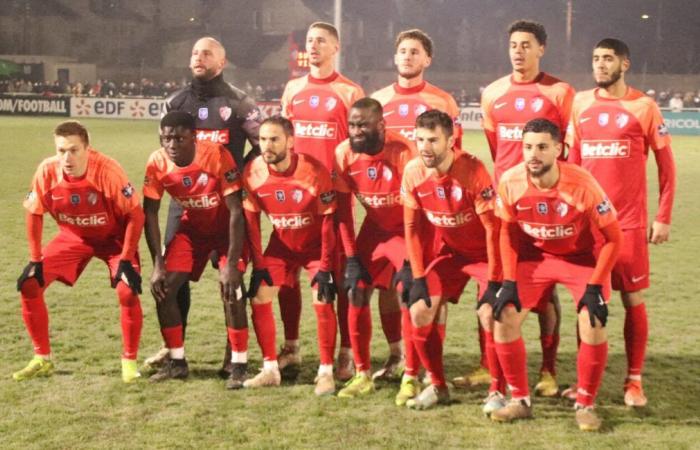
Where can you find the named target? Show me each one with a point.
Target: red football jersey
(376, 179)
(507, 106)
(199, 187)
(318, 108)
(295, 200)
(453, 201)
(403, 105)
(94, 207)
(611, 139)
(559, 220)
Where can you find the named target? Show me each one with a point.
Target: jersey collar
(411, 90)
(330, 78)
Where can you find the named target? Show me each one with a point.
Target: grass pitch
(85, 404)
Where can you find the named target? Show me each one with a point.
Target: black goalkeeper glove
(419, 291)
(354, 272)
(133, 279)
(256, 279)
(594, 301)
(326, 286)
(405, 277)
(508, 293)
(489, 295)
(31, 270)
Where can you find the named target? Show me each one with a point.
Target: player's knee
(632, 299)
(261, 300)
(31, 289)
(485, 314)
(126, 295)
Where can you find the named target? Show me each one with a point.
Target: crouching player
(203, 178)
(98, 214)
(451, 192)
(296, 193)
(550, 212)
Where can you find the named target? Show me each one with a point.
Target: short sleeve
(657, 131)
(326, 193)
(117, 187)
(228, 173)
(34, 202)
(600, 208)
(152, 186)
(482, 190)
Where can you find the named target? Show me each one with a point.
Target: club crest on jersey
(621, 120)
(92, 198)
(297, 195)
(314, 101)
(542, 208)
(604, 207)
(128, 190)
(203, 113)
(420, 109)
(440, 192)
(403, 109)
(487, 193)
(562, 209)
(536, 104)
(519, 103)
(372, 173)
(203, 179)
(663, 130)
(187, 181)
(457, 193)
(225, 113)
(74, 199)
(331, 102)
(279, 195)
(603, 119)
(387, 174)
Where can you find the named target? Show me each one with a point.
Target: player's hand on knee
(326, 286)
(230, 283)
(158, 286)
(595, 303)
(508, 293)
(31, 270)
(354, 272)
(405, 277)
(419, 291)
(256, 280)
(129, 275)
(489, 295)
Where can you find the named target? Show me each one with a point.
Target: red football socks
(131, 317)
(498, 380)
(265, 331)
(550, 345)
(290, 310)
(172, 336)
(36, 316)
(327, 325)
(429, 346)
(591, 363)
(412, 361)
(360, 324)
(238, 338)
(391, 325)
(513, 359)
(636, 335)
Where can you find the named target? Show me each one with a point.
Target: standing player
(296, 193)
(370, 165)
(203, 179)
(403, 101)
(612, 128)
(551, 212)
(454, 192)
(318, 104)
(507, 104)
(98, 214)
(223, 115)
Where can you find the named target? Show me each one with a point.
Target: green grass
(85, 404)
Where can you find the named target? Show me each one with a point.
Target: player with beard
(296, 193)
(369, 164)
(507, 104)
(402, 102)
(223, 115)
(318, 105)
(551, 212)
(611, 130)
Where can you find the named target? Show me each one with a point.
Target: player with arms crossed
(318, 106)
(551, 211)
(98, 214)
(507, 104)
(296, 193)
(449, 193)
(203, 179)
(611, 130)
(370, 165)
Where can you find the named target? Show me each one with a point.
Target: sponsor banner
(117, 108)
(686, 122)
(470, 118)
(34, 105)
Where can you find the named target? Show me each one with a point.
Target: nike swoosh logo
(637, 279)
(522, 208)
(424, 194)
(352, 174)
(53, 197)
(584, 119)
(264, 195)
(499, 105)
(388, 113)
(296, 102)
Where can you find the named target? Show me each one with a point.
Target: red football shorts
(66, 256)
(631, 271)
(189, 253)
(449, 273)
(382, 253)
(535, 278)
(285, 265)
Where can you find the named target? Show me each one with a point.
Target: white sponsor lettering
(314, 130)
(291, 221)
(510, 131)
(204, 201)
(605, 149)
(447, 220)
(215, 136)
(548, 232)
(379, 200)
(84, 220)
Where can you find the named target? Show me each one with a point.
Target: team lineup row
(434, 219)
